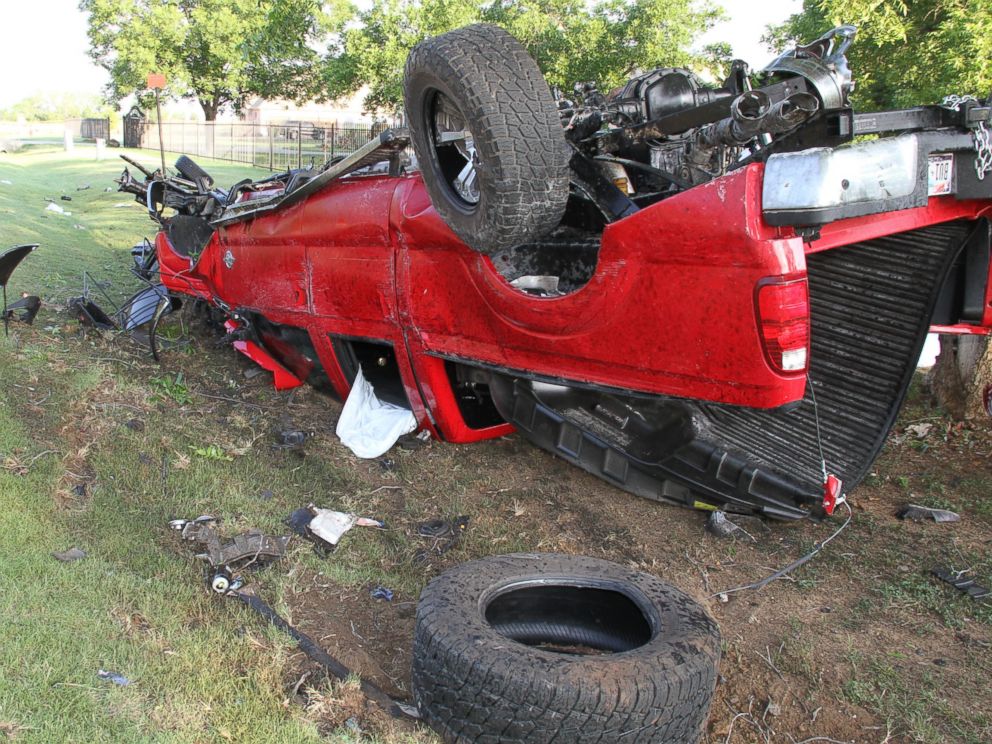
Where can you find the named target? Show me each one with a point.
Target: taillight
(783, 318)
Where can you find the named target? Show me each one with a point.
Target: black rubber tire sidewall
(523, 175)
(473, 684)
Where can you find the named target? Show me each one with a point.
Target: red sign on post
(156, 80)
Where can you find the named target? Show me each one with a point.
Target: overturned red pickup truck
(707, 295)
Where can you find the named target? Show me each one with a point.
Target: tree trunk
(209, 109)
(961, 378)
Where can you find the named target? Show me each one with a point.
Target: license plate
(940, 179)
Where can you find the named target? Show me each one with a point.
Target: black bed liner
(871, 305)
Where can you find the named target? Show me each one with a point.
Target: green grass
(201, 669)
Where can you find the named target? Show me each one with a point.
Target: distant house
(343, 113)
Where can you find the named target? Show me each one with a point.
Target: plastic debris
(917, 513)
(5, 182)
(381, 592)
(958, 580)
(445, 533)
(325, 527)
(23, 310)
(719, 525)
(53, 207)
(64, 197)
(70, 555)
(115, 677)
(369, 427)
(293, 438)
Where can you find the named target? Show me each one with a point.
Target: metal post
(270, 147)
(334, 126)
(299, 144)
(161, 141)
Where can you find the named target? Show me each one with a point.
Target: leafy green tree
(572, 40)
(216, 52)
(907, 52)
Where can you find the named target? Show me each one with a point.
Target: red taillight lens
(783, 318)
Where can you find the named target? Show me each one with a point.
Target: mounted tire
(487, 136)
(534, 648)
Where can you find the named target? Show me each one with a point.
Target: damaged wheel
(544, 647)
(487, 136)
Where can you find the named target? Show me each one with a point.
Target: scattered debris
(292, 438)
(325, 527)
(445, 533)
(381, 592)
(265, 494)
(10, 260)
(115, 677)
(135, 424)
(251, 548)
(64, 197)
(958, 581)
(352, 725)
(121, 205)
(719, 525)
(90, 314)
(53, 207)
(84, 187)
(918, 513)
(70, 555)
(23, 310)
(5, 182)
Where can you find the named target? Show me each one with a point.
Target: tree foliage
(216, 52)
(56, 107)
(572, 40)
(908, 52)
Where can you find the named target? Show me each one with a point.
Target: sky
(43, 44)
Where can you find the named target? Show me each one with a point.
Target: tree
(910, 52)
(216, 52)
(572, 40)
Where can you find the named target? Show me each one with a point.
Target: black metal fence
(89, 129)
(277, 147)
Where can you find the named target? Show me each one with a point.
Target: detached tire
(505, 180)
(536, 648)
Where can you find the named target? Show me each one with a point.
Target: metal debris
(917, 513)
(719, 525)
(959, 581)
(227, 556)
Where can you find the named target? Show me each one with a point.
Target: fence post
(334, 126)
(270, 147)
(299, 144)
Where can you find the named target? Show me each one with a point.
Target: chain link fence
(278, 147)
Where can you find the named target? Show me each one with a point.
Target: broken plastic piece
(24, 310)
(9, 260)
(289, 439)
(719, 525)
(248, 548)
(115, 677)
(918, 513)
(962, 584)
(832, 493)
(89, 313)
(381, 592)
